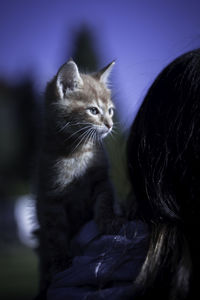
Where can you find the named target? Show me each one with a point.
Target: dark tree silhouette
(19, 118)
(84, 53)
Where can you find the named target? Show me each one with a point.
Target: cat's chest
(68, 169)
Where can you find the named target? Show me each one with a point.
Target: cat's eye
(93, 110)
(111, 111)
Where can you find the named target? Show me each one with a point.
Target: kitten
(74, 184)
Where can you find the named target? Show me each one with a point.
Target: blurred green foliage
(18, 276)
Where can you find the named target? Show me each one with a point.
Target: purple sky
(142, 35)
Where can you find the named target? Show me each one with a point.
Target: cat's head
(83, 100)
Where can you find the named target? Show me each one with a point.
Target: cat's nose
(108, 125)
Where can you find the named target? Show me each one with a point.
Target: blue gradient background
(143, 36)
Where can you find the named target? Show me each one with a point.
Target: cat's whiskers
(112, 136)
(115, 127)
(82, 123)
(98, 138)
(82, 136)
(63, 128)
(89, 137)
(82, 128)
(113, 131)
(94, 135)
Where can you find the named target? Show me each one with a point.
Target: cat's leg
(108, 219)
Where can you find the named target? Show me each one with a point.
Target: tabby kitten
(74, 184)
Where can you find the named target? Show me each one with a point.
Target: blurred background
(36, 37)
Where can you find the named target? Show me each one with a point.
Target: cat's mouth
(105, 131)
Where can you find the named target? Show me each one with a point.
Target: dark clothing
(104, 266)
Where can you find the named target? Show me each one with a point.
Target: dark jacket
(104, 266)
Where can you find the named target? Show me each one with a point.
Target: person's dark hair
(163, 154)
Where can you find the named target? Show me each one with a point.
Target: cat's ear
(68, 78)
(103, 74)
